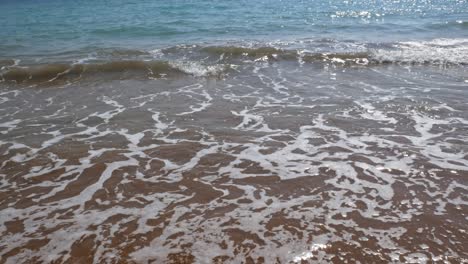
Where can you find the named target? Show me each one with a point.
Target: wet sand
(274, 164)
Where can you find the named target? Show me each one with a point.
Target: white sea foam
(437, 51)
(198, 69)
(356, 163)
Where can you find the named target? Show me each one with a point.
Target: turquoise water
(38, 28)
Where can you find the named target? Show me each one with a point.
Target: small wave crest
(215, 61)
(7, 63)
(273, 54)
(198, 69)
(114, 69)
(437, 51)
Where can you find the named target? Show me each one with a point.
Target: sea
(216, 131)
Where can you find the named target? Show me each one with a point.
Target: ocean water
(272, 131)
(53, 27)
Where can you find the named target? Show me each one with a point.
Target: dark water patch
(124, 69)
(4, 63)
(124, 52)
(243, 51)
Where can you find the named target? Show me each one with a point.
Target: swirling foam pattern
(201, 131)
(281, 162)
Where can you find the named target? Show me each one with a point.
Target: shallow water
(233, 132)
(278, 162)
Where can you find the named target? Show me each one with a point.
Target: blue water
(33, 27)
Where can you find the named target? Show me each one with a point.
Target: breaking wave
(438, 51)
(215, 61)
(123, 69)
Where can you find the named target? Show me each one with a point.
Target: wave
(6, 63)
(132, 68)
(448, 25)
(437, 51)
(208, 61)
